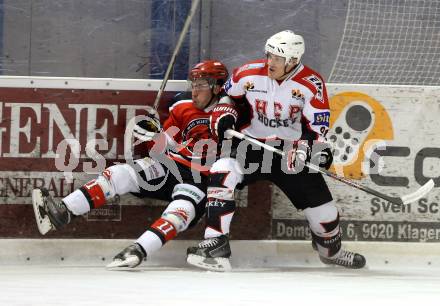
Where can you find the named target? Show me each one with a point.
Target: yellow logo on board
(357, 122)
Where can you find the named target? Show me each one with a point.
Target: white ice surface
(63, 285)
(71, 281)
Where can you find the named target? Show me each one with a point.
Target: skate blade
(42, 219)
(330, 263)
(219, 264)
(130, 262)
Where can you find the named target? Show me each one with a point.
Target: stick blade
(218, 264)
(419, 193)
(129, 262)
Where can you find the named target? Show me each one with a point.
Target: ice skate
(50, 215)
(130, 257)
(345, 259)
(211, 254)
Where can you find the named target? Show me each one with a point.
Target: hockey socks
(157, 235)
(151, 241)
(218, 217)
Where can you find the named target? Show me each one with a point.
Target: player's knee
(221, 193)
(324, 225)
(224, 164)
(120, 179)
(179, 213)
(225, 172)
(224, 176)
(188, 192)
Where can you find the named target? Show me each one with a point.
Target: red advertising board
(34, 122)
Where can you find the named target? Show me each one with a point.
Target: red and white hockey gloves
(223, 117)
(298, 156)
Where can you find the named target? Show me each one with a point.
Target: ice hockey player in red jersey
(288, 108)
(176, 179)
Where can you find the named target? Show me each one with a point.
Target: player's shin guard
(213, 253)
(152, 240)
(219, 215)
(49, 214)
(331, 252)
(164, 230)
(326, 237)
(174, 219)
(327, 246)
(95, 191)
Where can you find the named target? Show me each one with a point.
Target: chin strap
(286, 73)
(213, 98)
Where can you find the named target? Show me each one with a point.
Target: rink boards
(385, 137)
(246, 254)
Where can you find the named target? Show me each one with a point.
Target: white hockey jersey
(292, 109)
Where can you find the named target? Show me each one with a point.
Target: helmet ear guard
(286, 44)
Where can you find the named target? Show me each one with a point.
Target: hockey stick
(403, 200)
(192, 11)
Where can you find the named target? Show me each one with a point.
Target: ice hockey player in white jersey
(185, 190)
(288, 108)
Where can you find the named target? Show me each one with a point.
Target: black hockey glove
(323, 157)
(320, 155)
(148, 126)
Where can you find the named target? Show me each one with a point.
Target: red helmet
(214, 71)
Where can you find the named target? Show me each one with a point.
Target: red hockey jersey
(188, 135)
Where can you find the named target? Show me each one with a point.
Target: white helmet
(286, 44)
